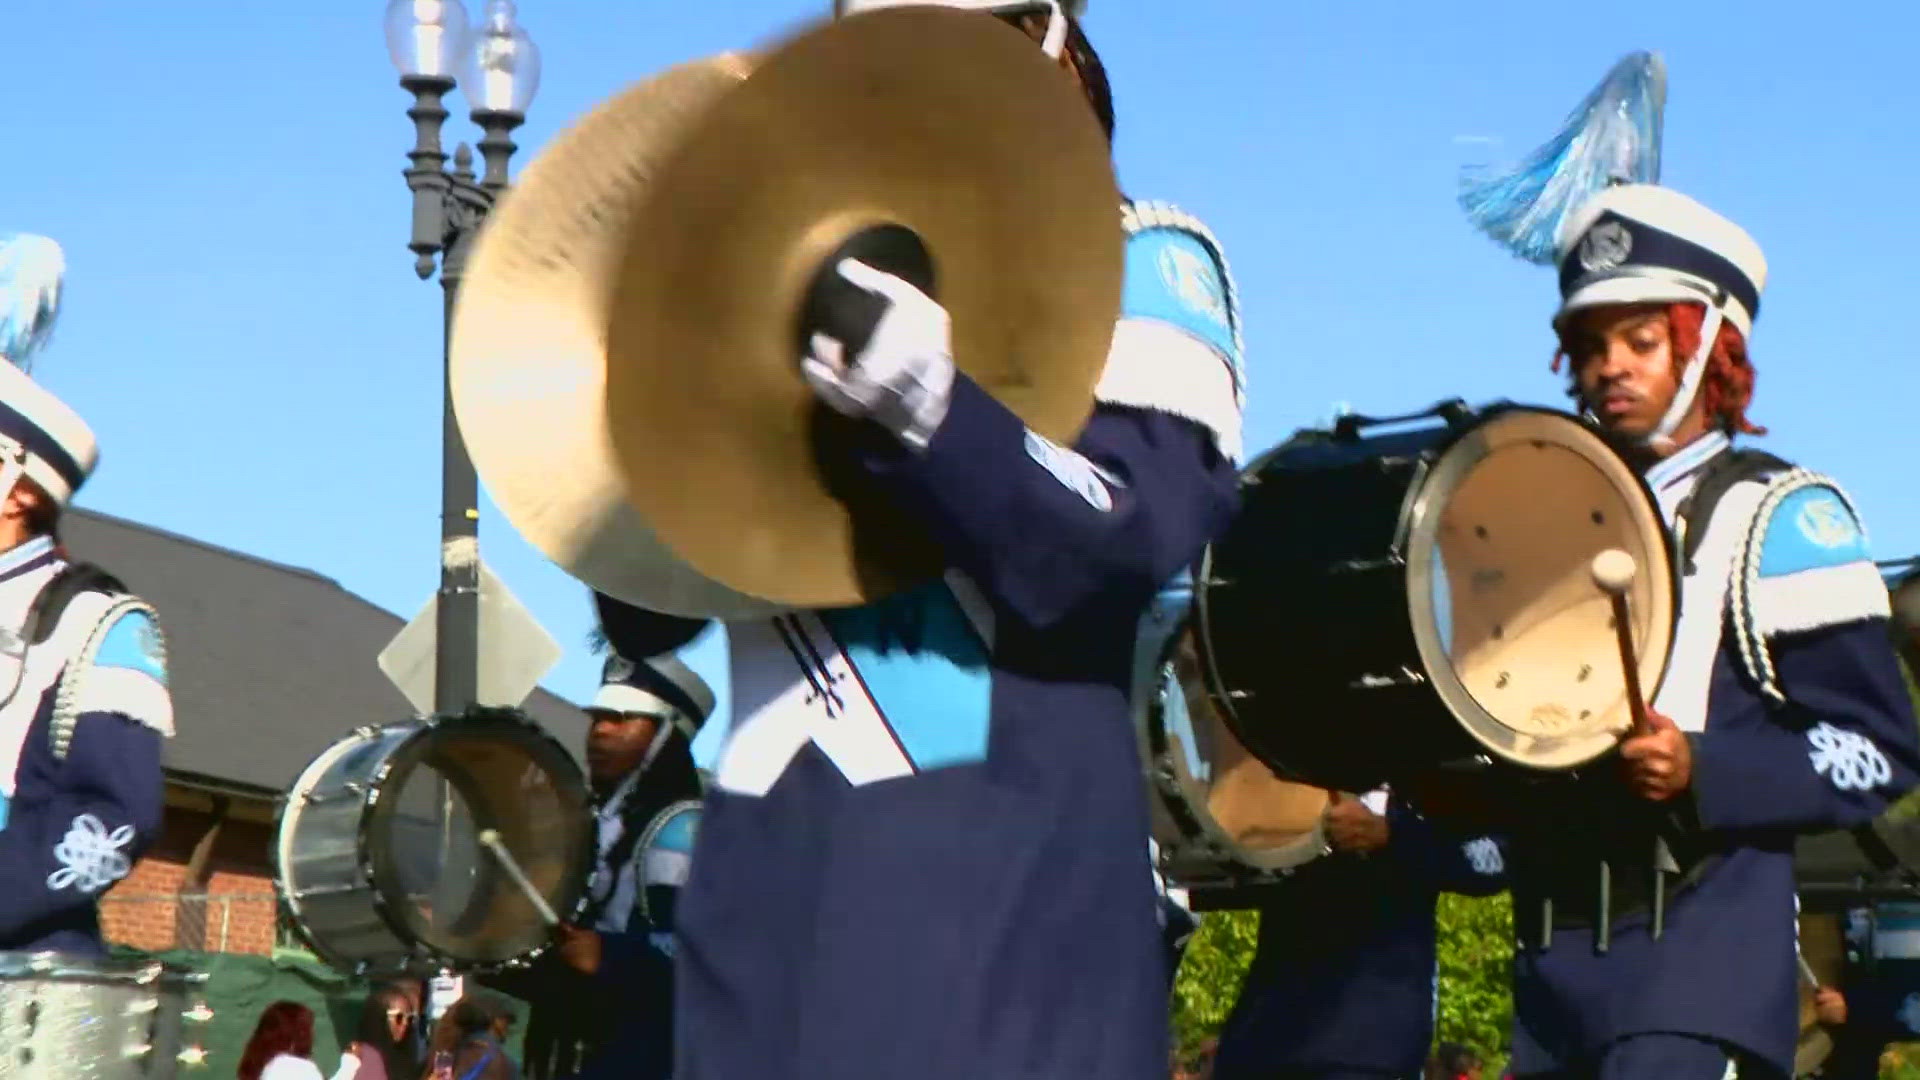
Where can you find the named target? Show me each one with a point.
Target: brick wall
(234, 913)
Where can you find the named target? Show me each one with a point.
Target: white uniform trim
(781, 705)
(1703, 604)
(1810, 599)
(665, 867)
(1154, 365)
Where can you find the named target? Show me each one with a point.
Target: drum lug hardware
(349, 791)
(1363, 566)
(1406, 677)
(326, 890)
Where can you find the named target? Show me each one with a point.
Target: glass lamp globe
(502, 65)
(424, 37)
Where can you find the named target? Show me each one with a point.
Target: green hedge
(1476, 956)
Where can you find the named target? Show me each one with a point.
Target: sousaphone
(625, 352)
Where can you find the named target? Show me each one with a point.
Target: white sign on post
(515, 650)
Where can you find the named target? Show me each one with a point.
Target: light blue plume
(1613, 137)
(31, 270)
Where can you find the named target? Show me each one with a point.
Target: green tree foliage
(1476, 968)
(1476, 956)
(1211, 972)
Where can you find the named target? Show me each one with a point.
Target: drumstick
(1806, 972)
(491, 838)
(1613, 571)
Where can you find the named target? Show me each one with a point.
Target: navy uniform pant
(1666, 1057)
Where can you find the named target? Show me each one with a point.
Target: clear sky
(244, 329)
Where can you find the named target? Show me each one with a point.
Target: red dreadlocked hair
(1726, 387)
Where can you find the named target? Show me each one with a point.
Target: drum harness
(43, 617)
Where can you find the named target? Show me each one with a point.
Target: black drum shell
(1344, 622)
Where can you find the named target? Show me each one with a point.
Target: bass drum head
(1219, 814)
(1264, 821)
(1516, 636)
(440, 887)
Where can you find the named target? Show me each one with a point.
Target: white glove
(903, 379)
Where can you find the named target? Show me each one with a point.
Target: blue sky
(244, 330)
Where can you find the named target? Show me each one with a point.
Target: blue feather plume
(31, 270)
(1613, 137)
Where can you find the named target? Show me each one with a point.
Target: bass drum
(63, 1017)
(1221, 819)
(1392, 604)
(379, 864)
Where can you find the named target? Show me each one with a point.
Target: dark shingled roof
(269, 664)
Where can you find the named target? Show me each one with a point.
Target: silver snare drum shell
(374, 888)
(70, 1017)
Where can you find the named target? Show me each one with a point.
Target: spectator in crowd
(282, 1047)
(472, 1037)
(384, 1043)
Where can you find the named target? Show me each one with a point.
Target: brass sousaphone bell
(625, 352)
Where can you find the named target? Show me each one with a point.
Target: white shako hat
(42, 438)
(663, 686)
(1643, 243)
(1056, 38)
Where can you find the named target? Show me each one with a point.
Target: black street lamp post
(428, 40)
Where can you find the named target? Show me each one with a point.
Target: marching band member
(1782, 712)
(1344, 977)
(923, 852)
(82, 662)
(612, 1005)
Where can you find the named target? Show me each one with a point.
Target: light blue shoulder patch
(677, 832)
(927, 669)
(1176, 274)
(134, 642)
(1812, 528)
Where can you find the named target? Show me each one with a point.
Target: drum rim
(1412, 542)
(50, 966)
(512, 720)
(1167, 778)
(419, 953)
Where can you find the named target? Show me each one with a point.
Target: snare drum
(1221, 818)
(68, 1016)
(1389, 604)
(378, 859)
